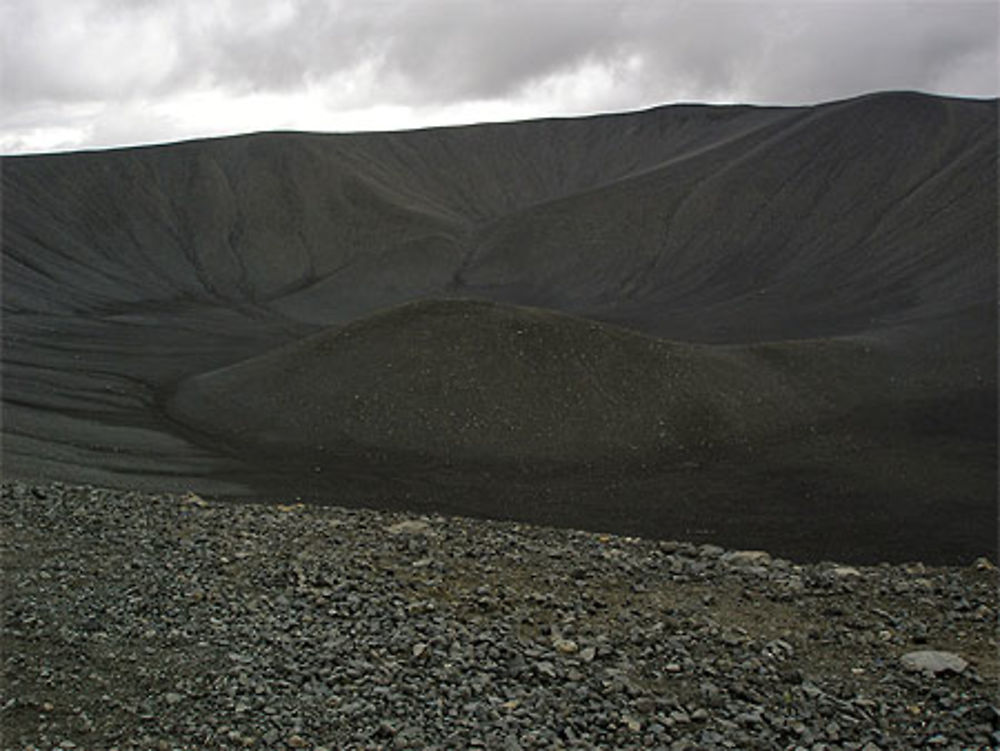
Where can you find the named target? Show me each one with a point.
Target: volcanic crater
(765, 327)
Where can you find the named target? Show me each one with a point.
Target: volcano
(766, 327)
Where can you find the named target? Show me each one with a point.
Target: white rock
(747, 558)
(566, 646)
(710, 551)
(844, 572)
(408, 526)
(983, 564)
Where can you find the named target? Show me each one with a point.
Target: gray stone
(710, 551)
(546, 668)
(846, 572)
(983, 564)
(565, 646)
(932, 662)
(747, 558)
(408, 526)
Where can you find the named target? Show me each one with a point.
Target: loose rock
(143, 621)
(933, 662)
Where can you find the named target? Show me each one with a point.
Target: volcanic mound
(455, 380)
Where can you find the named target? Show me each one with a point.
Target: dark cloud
(785, 53)
(450, 50)
(69, 64)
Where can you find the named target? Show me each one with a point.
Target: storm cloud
(82, 73)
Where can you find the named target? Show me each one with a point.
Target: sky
(80, 74)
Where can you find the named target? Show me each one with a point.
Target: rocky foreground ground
(136, 621)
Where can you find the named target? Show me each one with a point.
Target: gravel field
(137, 621)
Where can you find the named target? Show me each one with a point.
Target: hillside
(764, 327)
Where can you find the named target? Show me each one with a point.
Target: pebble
(747, 558)
(984, 564)
(933, 662)
(565, 646)
(408, 526)
(845, 572)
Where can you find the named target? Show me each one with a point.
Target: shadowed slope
(810, 295)
(695, 223)
(851, 217)
(254, 218)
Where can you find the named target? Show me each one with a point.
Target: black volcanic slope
(766, 327)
